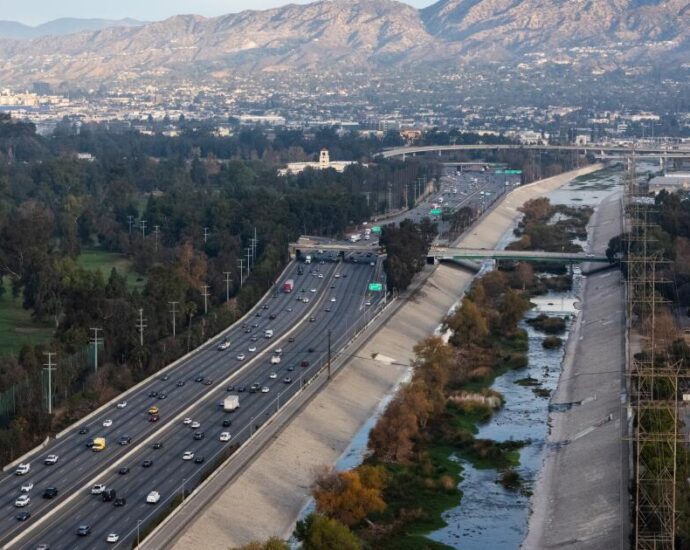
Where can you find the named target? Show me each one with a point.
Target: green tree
(317, 532)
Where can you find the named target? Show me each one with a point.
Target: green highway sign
(436, 212)
(376, 229)
(375, 287)
(513, 172)
(498, 172)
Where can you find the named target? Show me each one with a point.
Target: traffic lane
(91, 474)
(80, 515)
(248, 409)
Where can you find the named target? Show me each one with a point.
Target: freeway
(78, 468)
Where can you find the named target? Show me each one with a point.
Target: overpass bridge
(447, 253)
(597, 149)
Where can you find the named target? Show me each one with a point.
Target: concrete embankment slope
(267, 498)
(580, 500)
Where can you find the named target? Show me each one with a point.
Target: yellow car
(153, 410)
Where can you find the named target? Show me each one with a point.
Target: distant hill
(59, 27)
(368, 34)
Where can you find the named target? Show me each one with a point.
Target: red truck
(288, 286)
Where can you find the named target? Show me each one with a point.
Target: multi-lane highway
(338, 302)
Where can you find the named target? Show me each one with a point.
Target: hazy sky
(38, 11)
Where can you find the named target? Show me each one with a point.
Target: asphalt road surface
(78, 466)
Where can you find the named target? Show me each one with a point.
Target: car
(98, 489)
(208, 382)
(312, 319)
(241, 356)
(109, 495)
(304, 364)
(254, 338)
(22, 500)
(310, 350)
(188, 455)
(180, 383)
(147, 463)
(198, 436)
(313, 291)
(231, 387)
(344, 275)
(367, 303)
(107, 423)
(153, 497)
(225, 437)
(291, 368)
(153, 393)
(89, 443)
(227, 423)
(112, 537)
(265, 389)
(337, 275)
(333, 299)
(225, 344)
(153, 410)
(254, 387)
(51, 460)
(154, 418)
(273, 375)
(255, 325)
(50, 492)
(199, 460)
(247, 331)
(305, 300)
(83, 430)
(124, 440)
(199, 379)
(119, 502)
(265, 306)
(320, 275)
(157, 445)
(83, 530)
(165, 378)
(272, 316)
(26, 487)
(332, 286)
(258, 314)
(22, 469)
(287, 380)
(23, 515)
(288, 309)
(372, 264)
(162, 395)
(187, 421)
(275, 359)
(194, 425)
(291, 339)
(123, 471)
(122, 404)
(328, 309)
(241, 389)
(278, 351)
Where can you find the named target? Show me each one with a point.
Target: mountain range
(58, 27)
(369, 34)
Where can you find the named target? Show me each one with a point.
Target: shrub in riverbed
(549, 325)
(511, 480)
(552, 342)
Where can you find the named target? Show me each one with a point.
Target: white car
(265, 389)
(320, 275)
(153, 497)
(195, 425)
(27, 487)
(107, 423)
(22, 469)
(337, 275)
(98, 489)
(305, 300)
(333, 299)
(225, 437)
(22, 500)
(252, 349)
(241, 356)
(273, 375)
(122, 404)
(112, 537)
(225, 344)
(313, 291)
(278, 351)
(51, 459)
(188, 455)
(367, 304)
(275, 359)
(187, 421)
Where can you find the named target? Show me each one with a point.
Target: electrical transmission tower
(655, 380)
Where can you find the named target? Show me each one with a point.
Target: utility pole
(173, 311)
(95, 341)
(205, 294)
(241, 262)
(249, 260)
(227, 285)
(143, 228)
(205, 235)
(131, 220)
(329, 354)
(50, 368)
(156, 230)
(141, 326)
(255, 242)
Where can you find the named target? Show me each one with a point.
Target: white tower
(324, 159)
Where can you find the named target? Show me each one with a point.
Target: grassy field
(95, 259)
(16, 326)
